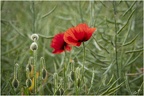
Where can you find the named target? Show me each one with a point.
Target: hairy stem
(83, 59)
(64, 70)
(35, 68)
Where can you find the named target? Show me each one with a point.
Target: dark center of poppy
(64, 44)
(80, 40)
(84, 39)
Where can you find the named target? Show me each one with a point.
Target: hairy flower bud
(34, 37)
(28, 82)
(72, 75)
(78, 82)
(34, 46)
(15, 83)
(29, 67)
(44, 73)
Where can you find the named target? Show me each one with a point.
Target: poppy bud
(28, 82)
(78, 82)
(34, 46)
(30, 70)
(15, 83)
(29, 67)
(44, 73)
(34, 37)
(72, 75)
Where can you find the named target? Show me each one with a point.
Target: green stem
(35, 68)
(45, 37)
(42, 65)
(34, 52)
(83, 57)
(83, 62)
(15, 76)
(64, 70)
(16, 69)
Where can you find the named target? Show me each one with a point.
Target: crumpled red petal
(76, 35)
(58, 44)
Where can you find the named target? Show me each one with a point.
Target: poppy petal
(89, 33)
(67, 47)
(81, 33)
(70, 38)
(59, 44)
(57, 51)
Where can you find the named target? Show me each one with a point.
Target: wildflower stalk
(41, 65)
(83, 60)
(43, 73)
(34, 51)
(35, 67)
(65, 70)
(15, 71)
(46, 37)
(34, 47)
(15, 82)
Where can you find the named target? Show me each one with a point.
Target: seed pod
(44, 73)
(34, 37)
(15, 83)
(78, 82)
(31, 73)
(30, 70)
(34, 46)
(72, 74)
(29, 66)
(28, 82)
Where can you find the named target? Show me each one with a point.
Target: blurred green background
(110, 54)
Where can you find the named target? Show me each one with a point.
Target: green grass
(113, 56)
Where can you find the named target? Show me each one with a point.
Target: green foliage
(113, 55)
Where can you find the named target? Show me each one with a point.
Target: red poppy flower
(76, 35)
(59, 44)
